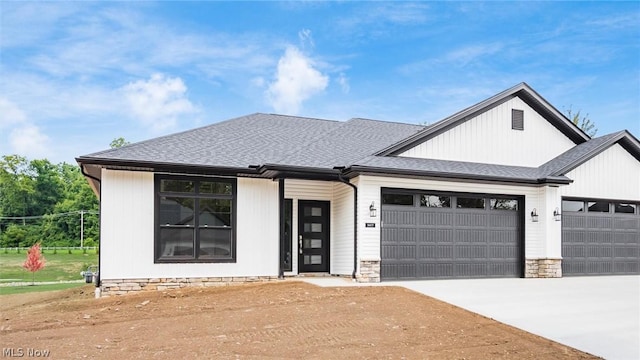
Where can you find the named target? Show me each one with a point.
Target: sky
(76, 75)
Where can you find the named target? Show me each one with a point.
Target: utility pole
(82, 228)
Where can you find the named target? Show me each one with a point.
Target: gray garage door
(600, 237)
(427, 235)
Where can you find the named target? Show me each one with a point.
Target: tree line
(42, 202)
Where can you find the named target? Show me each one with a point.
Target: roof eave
(142, 165)
(356, 170)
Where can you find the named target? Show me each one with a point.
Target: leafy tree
(16, 186)
(583, 122)
(35, 261)
(118, 143)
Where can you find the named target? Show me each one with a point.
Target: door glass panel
(313, 259)
(312, 211)
(312, 227)
(312, 243)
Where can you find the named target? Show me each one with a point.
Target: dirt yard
(287, 319)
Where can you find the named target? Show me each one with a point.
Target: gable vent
(517, 119)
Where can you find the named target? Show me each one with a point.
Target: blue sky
(76, 75)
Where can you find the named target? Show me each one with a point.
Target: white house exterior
(508, 187)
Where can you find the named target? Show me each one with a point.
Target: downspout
(355, 223)
(100, 222)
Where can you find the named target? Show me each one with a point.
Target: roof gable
(582, 153)
(522, 90)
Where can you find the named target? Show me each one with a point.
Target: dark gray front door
(600, 237)
(428, 235)
(313, 236)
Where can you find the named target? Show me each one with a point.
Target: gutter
(355, 220)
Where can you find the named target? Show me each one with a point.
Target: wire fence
(49, 248)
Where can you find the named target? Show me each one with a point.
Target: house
(508, 187)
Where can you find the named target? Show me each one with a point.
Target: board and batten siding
(489, 138)
(613, 174)
(537, 245)
(127, 231)
(342, 242)
(340, 197)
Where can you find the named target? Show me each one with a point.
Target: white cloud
(343, 81)
(27, 140)
(10, 114)
(296, 81)
(159, 101)
(305, 38)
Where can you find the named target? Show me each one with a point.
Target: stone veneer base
(369, 271)
(111, 287)
(543, 268)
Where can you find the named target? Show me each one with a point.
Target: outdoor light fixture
(556, 215)
(534, 215)
(372, 209)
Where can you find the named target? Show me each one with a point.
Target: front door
(313, 236)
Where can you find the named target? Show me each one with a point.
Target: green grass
(61, 266)
(8, 290)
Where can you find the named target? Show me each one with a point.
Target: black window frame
(196, 257)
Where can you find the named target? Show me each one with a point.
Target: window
(625, 208)
(598, 206)
(517, 119)
(575, 206)
(397, 199)
(435, 201)
(195, 219)
(470, 203)
(504, 204)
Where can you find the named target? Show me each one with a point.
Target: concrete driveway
(598, 314)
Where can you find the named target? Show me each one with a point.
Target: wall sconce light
(556, 215)
(534, 215)
(372, 209)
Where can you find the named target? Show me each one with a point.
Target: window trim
(517, 119)
(158, 259)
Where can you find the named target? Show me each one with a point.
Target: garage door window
(598, 206)
(397, 199)
(504, 204)
(470, 203)
(622, 208)
(435, 201)
(575, 206)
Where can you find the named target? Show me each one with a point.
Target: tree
(35, 261)
(583, 122)
(118, 143)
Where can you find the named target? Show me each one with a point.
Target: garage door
(600, 237)
(428, 235)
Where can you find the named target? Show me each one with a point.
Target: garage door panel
(449, 242)
(434, 219)
(600, 243)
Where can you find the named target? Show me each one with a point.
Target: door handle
(300, 244)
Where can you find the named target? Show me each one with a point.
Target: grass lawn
(61, 266)
(9, 290)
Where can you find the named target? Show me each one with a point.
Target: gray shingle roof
(249, 140)
(277, 141)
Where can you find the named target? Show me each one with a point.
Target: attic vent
(517, 119)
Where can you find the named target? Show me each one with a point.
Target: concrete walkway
(599, 314)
